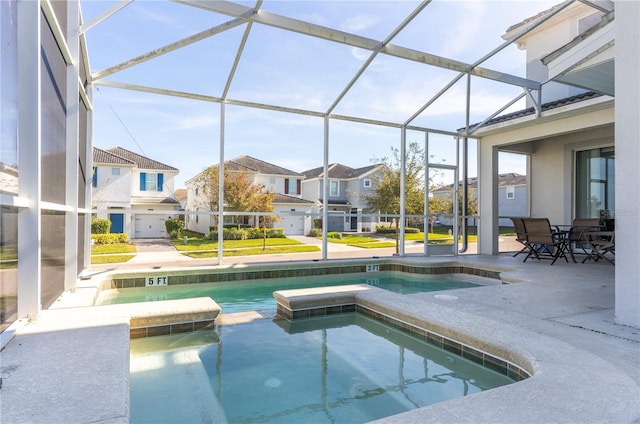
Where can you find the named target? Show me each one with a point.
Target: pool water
(307, 371)
(258, 294)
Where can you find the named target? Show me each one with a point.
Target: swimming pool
(258, 295)
(311, 371)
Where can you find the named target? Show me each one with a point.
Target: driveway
(155, 250)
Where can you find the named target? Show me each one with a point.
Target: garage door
(292, 225)
(150, 226)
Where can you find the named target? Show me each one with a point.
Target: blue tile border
(219, 276)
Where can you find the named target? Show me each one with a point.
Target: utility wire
(123, 124)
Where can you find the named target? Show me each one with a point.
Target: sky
(287, 69)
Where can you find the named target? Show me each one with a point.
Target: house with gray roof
(513, 199)
(345, 199)
(289, 206)
(133, 191)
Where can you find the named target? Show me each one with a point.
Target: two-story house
(346, 202)
(513, 199)
(129, 189)
(291, 208)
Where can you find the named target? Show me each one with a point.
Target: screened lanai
(307, 85)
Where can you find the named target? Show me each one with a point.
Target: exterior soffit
(587, 63)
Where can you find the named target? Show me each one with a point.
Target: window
(595, 183)
(334, 188)
(292, 186)
(272, 180)
(94, 177)
(367, 182)
(115, 171)
(511, 192)
(151, 182)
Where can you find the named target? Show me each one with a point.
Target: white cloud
(359, 23)
(192, 122)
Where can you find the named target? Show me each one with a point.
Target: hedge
(392, 230)
(110, 238)
(247, 233)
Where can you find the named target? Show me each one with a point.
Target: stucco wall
(627, 163)
(112, 188)
(551, 141)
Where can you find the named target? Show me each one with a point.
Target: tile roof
(508, 179)
(104, 157)
(545, 107)
(338, 170)
(532, 18)
(142, 162)
(252, 164)
(180, 194)
(137, 200)
(285, 198)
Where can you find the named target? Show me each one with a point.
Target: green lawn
(112, 253)
(271, 250)
(102, 249)
(110, 259)
(195, 243)
(436, 238)
(361, 241)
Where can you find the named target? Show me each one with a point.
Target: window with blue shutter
(94, 177)
(160, 181)
(143, 181)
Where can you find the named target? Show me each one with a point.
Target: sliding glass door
(595, 183)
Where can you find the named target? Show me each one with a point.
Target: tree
(240, 193)
(385, 195)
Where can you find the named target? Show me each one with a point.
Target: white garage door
(292, 225)
(150, 226)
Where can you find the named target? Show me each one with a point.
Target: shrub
(100, 226)
(315, 232)
(392, 230)
(334, 235)
(234, 234)
(275, 233)
(110, 238)
(246, 233)
(174, 227)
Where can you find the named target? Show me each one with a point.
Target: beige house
(291, 209)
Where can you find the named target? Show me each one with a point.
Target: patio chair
(545, 243)
(521, 235)
(578, 241)
(602, 244)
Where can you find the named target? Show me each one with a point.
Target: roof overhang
(588, 61)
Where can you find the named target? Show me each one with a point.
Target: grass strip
(110, 259)
(373, 245)
(200, 244)
(100, 249)
(253, 251)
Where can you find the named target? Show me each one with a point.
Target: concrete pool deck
(560, 318)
